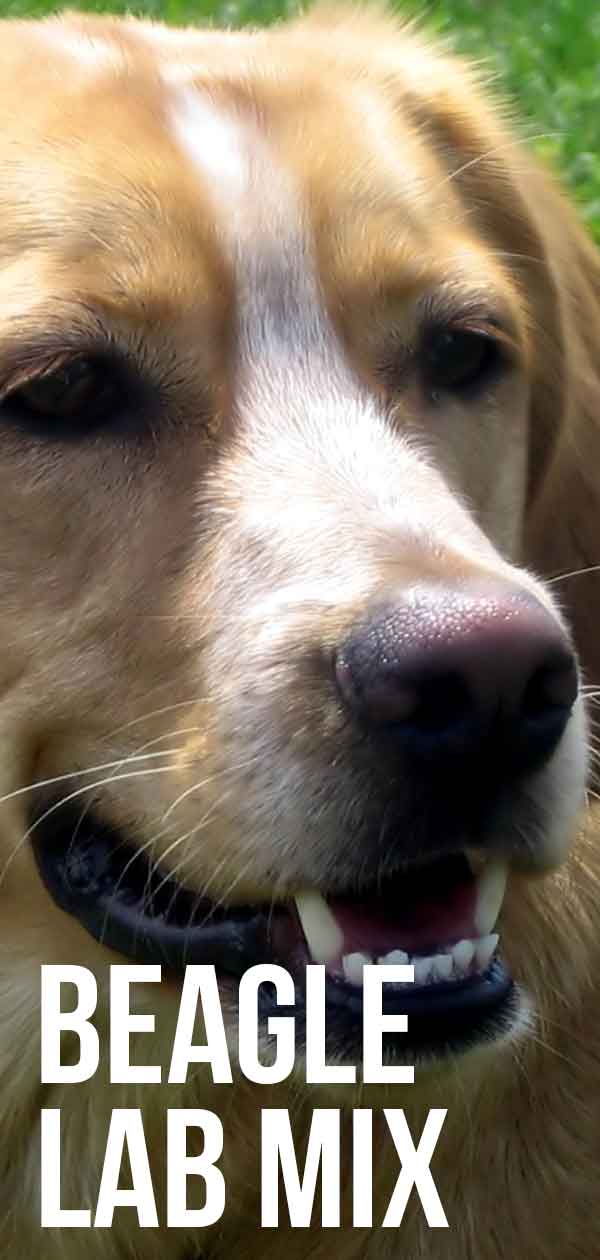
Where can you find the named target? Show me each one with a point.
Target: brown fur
(117, 591)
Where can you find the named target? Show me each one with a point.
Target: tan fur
(130, 623)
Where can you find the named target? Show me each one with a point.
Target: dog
(299, 514)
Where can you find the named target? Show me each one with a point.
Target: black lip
(447, 1019)
(148, 916)
(138, 911)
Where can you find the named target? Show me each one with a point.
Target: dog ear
(524, 215)
(562, 527)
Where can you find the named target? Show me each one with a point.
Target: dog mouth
(440, 916)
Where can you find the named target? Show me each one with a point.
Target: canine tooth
(442, 967)
(353, 967)
(422, 968)
(485, 949)
(463, 955)
(395, 957)
(324, 937)
(491, 885)
(476, 861)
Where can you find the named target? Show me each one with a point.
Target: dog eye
(76, 395)
(459, 359)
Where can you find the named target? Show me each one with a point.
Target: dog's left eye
(74, 395)
(459, 359)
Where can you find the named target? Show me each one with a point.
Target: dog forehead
(280, 219)
(241, 178)
(241, 108)
(215, 141)
(240, 168)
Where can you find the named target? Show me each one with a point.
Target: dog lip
(86, 872)
(93, 876)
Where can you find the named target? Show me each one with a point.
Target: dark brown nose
(449, 673)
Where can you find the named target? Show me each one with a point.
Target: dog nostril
(432, 706)
(551, 687)
(386, 699)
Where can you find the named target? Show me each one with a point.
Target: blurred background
(544, 53)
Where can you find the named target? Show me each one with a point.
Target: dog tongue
(417, 911)
(414, 926)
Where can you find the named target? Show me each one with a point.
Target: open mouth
(440, 916)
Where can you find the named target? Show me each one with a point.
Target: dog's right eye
(71, 397)
(458, 359)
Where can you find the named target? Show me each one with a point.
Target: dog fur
(158, 593)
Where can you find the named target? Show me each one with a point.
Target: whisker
(499, 148)
(563, 577)
(138, 853)
(145, 717)
(215, 906)
(88, 787)
(507, 253)
(149, 744)
(202, 893)
(242, 765)
(171, 874)
(76, 774)
(234, 883)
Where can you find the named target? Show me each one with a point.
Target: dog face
(282, 370)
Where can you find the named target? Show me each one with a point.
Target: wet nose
(449, 673)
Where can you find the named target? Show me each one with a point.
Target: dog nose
(461, 674)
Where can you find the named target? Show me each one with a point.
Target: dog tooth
(485, 949)
(463, 955)
(395, 957)
(324, 937)
(476, 861)
(491, 886)
(422, 968)
(442, 967)
(353, 967)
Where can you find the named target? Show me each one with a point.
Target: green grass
(545, 54)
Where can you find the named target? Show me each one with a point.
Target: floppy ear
(562, 535)
(524, 215)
